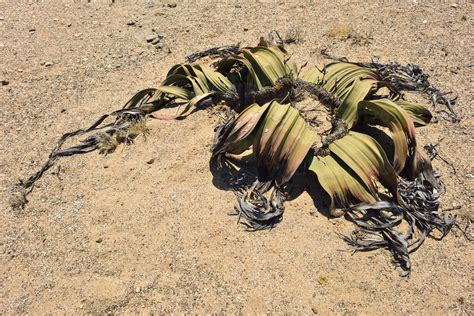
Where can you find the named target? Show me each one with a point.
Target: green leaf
(397, 120)
(367, 159)
(218, 80)
(273, 118)
(133, 102)
(242, 128)
(338, 183)
(301, 145)
(192, 104)
(176, 92)
(313, 75)
(279, 138)
(338, 77)
(418, 113)
(349, 106)
(265, 66)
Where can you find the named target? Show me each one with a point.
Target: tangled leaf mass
(264, 138)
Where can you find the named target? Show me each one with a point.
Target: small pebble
(48, 64)
(172, 5)
(131, 22)
(99, 240)
(454, 5)
(137, 289)
(152, 160)
(150, 38)
(79, 204)
(32, 30)
(156, 41)
(5, 82)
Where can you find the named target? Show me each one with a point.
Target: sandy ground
(117, 234)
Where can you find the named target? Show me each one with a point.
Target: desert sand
(146, 229)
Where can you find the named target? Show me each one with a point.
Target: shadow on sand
(227, 177)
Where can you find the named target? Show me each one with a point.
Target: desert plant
(327, 122)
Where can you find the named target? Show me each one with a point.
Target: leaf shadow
(380, 136)
(307, 182)
(228, 177)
